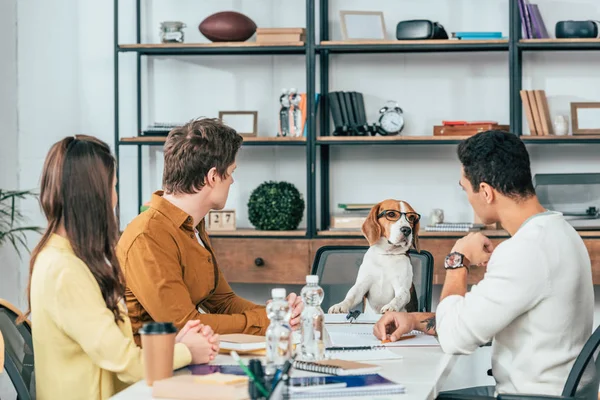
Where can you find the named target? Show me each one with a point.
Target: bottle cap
(312, 279)
(278, 293)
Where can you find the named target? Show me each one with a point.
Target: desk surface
(422, 370)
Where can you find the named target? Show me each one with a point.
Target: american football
(227, 26)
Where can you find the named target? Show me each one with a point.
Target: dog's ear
(370, 228)
(416, 229)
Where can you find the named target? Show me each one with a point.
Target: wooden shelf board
(554, 41)
(447, 139)
(490, 233)
(253, 139)
(207, 45)
(409, 42)
(255, 232)
(357, 233)
(398, 138)
(556, 138)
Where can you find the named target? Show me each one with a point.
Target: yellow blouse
(80, 352)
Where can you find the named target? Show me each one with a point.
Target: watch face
(392, 122)
(454, 260)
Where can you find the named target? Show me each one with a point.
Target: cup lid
(157, 328)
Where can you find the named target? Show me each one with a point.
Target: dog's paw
(390, 307)
(340, 308)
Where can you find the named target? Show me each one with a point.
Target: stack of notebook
(342, 386)
(351, 216)
(454, 227)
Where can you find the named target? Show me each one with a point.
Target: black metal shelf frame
(311, 50)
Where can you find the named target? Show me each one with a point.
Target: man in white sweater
(536, 300)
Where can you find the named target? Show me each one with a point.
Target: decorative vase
(561, 125)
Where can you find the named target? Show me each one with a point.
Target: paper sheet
(362, 335)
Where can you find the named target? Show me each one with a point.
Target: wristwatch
(456, 260)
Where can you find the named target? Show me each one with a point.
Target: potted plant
(12, 229)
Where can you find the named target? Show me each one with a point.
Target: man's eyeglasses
(395, 215)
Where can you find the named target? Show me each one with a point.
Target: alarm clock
(391, 119)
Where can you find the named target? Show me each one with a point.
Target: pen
(260, 387)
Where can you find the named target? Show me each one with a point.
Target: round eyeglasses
(395, 215)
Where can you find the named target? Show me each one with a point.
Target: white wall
(9, 175)
(64, 54)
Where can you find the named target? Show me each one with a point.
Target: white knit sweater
(536, 301)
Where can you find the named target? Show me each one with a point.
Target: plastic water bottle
(312, 347)
(279, 333)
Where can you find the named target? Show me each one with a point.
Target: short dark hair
(499, 159)
(193, 149)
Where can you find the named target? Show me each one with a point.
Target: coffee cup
(158, 346)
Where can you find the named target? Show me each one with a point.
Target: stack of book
(455, 227)
(532, 22)
(536, 108)
(280, 35)
(469, 35)
(351, 217)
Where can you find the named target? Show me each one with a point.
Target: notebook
(337, 367)
(342, 386)
(242, 342)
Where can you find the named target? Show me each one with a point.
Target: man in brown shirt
(166, 256)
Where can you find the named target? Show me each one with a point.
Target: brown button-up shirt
(170, 275)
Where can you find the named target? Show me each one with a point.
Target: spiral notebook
(341, 386)
(337, 367)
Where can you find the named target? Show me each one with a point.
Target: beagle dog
(385, 275)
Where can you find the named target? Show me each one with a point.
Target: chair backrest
(584, 379)
(18, 351)
(337, 268)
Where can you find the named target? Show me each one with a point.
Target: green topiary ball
(275, 206)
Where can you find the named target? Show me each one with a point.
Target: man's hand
(476, 247)
(393, 325)
(296, 307)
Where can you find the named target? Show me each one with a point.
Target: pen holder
(255, 366)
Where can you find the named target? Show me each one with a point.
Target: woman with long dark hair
(82, 337)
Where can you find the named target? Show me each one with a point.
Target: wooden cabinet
(288, 261)
(263, 260)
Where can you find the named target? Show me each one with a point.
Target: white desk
(422, 370)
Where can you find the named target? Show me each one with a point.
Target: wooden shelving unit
(320, 51)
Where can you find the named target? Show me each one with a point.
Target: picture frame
(585, 118)
(362, 25)
(244, 122)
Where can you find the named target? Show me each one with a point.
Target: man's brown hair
(193, 149)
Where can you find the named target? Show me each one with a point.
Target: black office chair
(337, 268)
(583, 381)
(18, 351)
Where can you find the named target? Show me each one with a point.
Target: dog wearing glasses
(385, 275)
